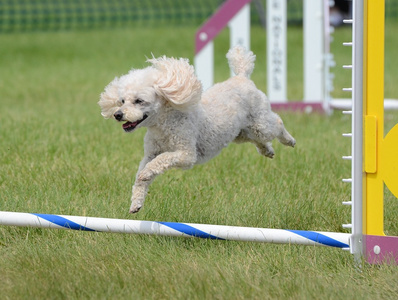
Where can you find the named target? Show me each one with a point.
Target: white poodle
(184, 127)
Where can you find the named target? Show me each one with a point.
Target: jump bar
(219, 232)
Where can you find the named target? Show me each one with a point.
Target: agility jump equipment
(373, 161)
(317, 58)
(373, 164)
(377, 162)
(218, 232)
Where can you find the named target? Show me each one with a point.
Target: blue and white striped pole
(220, 232)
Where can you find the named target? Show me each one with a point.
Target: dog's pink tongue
(128, 125)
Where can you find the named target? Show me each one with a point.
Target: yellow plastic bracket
(370, 146)
(388, 160)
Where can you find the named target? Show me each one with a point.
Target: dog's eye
(122, 101)
(138, 101)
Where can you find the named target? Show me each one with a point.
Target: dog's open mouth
(130, 126)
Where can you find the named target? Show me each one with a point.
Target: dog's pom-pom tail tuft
(109, 98)
(241, 61)
(177, 83)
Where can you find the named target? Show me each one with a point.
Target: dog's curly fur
(184, 127)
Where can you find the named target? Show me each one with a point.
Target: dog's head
(137, 97)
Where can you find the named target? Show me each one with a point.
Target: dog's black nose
(118, 115)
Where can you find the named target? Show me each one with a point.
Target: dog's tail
(241, 61)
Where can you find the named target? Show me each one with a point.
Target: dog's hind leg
(265, 149)
(266, 128)
(284, 137)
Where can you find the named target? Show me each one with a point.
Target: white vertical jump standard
(276, 51)
(356, 134)
(313, 50)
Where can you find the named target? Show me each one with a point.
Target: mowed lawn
(59, 156)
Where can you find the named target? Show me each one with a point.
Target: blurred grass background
(58, 155)
(51, 15)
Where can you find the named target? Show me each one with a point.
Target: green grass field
(59, 156)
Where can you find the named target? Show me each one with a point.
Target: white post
(204, 65)
(276, 50)
(239, 28)
(356, 246)
(313, 51)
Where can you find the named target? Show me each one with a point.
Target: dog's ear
(109, 98)
(177, 83)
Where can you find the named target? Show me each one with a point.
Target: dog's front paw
(135, 207)
(137, 199)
